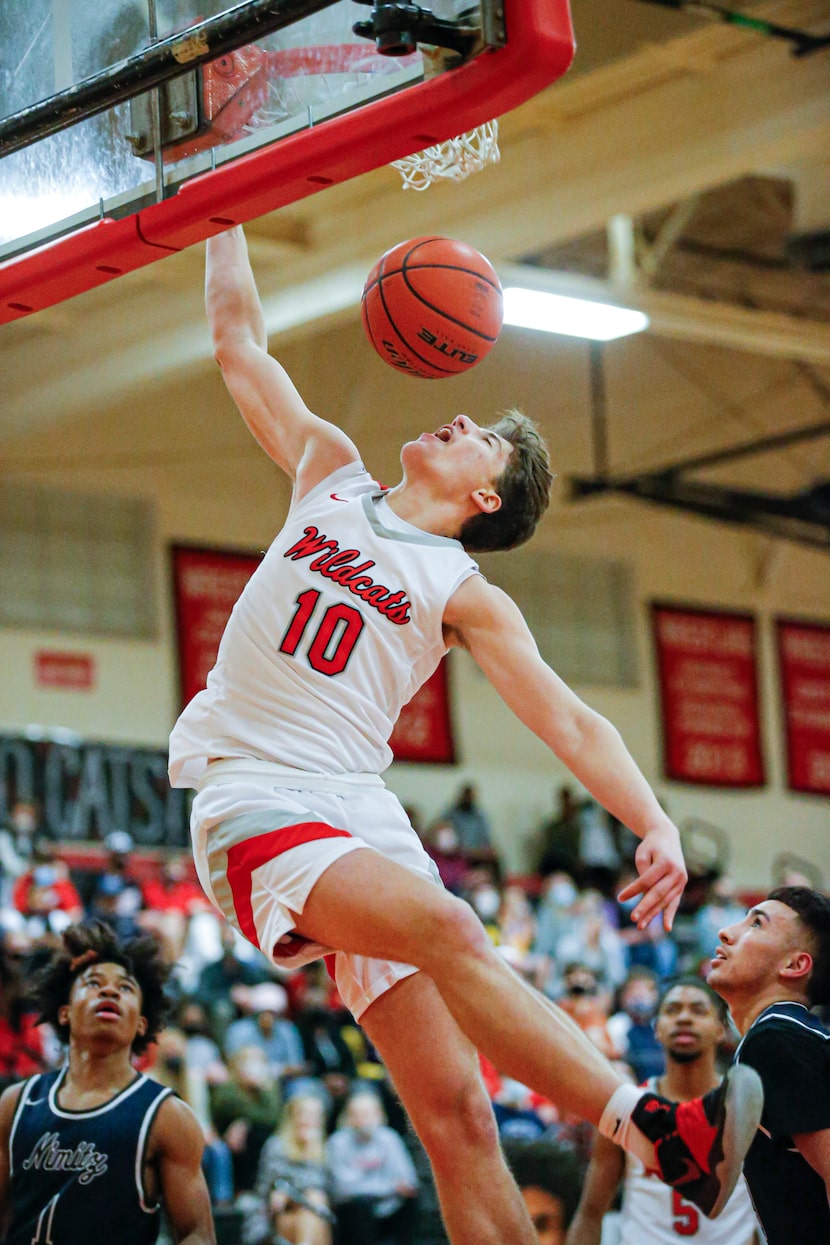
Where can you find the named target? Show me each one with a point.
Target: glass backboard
(99, 176)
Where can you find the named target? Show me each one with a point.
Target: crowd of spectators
(306, 1140)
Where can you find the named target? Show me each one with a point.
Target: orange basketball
(432, 307)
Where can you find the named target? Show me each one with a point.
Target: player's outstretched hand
(659, 861)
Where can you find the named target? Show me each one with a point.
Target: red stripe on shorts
(243, 858)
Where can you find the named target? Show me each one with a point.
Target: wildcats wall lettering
(85, 789)
(343, 566)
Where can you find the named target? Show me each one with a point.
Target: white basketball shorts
(262, 836)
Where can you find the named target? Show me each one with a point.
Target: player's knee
(457, 1120)
(456, 931)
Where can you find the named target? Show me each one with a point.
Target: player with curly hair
(95, 1149)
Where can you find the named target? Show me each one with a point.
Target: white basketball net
(452, 160)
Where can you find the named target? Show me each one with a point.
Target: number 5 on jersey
(685, 1217)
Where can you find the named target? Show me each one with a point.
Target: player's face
(687, 1024)
(104, 1006)
(753, 952)
(547, 1213)
(463, 455)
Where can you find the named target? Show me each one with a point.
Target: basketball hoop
(452, 160)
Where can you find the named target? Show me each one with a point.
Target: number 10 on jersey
(331, 638)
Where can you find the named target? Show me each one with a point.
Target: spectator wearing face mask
(171, 1068)
(590, 938)
(632, 1027)
(586, 1003)
(651, 947)
(442, 846)
(373, 1177)
(45, 894)
(483, 892)
(471, 824)
(266, 1027)
(245, 1110)
(202, 1054)
(552, 916)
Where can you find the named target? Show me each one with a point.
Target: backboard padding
(304, 160)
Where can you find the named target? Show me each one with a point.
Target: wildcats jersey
(654, 1214)
(78, 1175)
(336, 630)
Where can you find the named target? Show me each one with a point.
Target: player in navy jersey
(91, 1152)
(300, 845)
(771, 968)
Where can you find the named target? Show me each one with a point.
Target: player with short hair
(690, 1026)
(771, 968)
(549, 1179)
(300, 845)
(93, 1150)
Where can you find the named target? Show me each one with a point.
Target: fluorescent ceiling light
(573, 317)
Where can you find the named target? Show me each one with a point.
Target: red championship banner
(804, 670)
(707, 668)
(424, 729)
(206, 585)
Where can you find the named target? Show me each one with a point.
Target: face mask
(487, 902)
(563, 894)
(639, 1010)
(446, 841)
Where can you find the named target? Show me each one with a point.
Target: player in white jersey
(300, 844)
(690, 1026)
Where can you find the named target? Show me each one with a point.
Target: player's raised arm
(486, 622)
(306, 447)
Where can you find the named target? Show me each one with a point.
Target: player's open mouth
(107, 1009)
(444, 434)
(720, 954)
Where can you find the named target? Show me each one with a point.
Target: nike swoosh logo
(334, 497)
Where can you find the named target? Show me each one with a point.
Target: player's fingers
(634, 888)
(650, 873)
(656, 899)
(669, 913)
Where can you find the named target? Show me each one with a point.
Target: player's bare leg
(369, 905)
(448, 1105)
